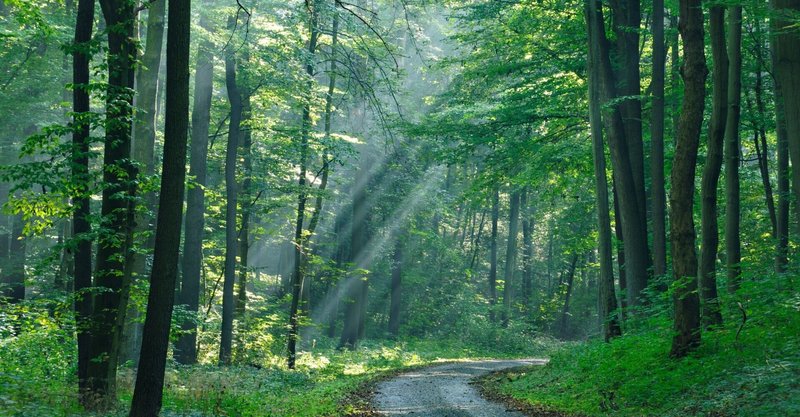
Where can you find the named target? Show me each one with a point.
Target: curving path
(444, 391)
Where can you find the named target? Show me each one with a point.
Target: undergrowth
(754, 374)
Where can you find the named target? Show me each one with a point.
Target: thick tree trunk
(732, 150)
(80, 200)
(147, 394)
(511, 256)
(231, 238)
(686, 299)
(712, 169)
(142, 151)
(189, 295)
(112, 278)
(607, 300)
(783, 175)
(787, 72)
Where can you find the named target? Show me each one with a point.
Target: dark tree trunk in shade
(623, 282)
(713, 166)
(84, 27)
(684, 257)
(783, 175)
(658, 193)
(189, 295)
(396, 298)
(493, 253)
(113, 249)
(607, 300)
(142, 151)
(147, 393)
(733, 246)
(231, 238)
(511, 256)
(786, 60)
(626, 169)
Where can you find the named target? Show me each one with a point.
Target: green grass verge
(756, 375)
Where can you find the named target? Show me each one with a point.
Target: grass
(754, 375)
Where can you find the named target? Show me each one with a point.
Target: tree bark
(396, 288)
(189, 295)
(493, 253)
(732, 150)
(607, 300)
(527, 249)
(783, 175)
(685, 297)
(657, 180)
(147, 394)
(114, 244)
(511, 255)
(712, 169)
(81, 229)
(786, 49)
(231, 238)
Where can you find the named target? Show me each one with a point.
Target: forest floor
(444, 391)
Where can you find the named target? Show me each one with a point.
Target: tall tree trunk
(150, 375)
(246, 208)
(657, 143)
(298, 275)
(14, 269)
(623, 278)
(113, 252)
(191, 266)
(84, 27)
(732, 149)
(786, 49)
(712, 169)
(231, 238)
(142, 151)
(682, 232)
(511, 256)
(562, 328)
(527, 249)
(493, 253)
(607, 304)
(626, 171)
(782, 215)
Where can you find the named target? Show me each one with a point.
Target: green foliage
(752, 374)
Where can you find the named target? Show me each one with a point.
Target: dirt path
(443, 391)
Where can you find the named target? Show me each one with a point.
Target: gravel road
(443, 391)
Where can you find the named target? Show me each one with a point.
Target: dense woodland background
(313, 193)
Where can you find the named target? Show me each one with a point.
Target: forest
(252, 208)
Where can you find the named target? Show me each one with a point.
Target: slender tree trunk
(189, 295)
(527, 249)
(562, 328)
(246, 208)
(623, 276)
(786, 59)
(80, 178)
(142, 151)
(150, 375)
(493, 253)
(732, 150)
(231, 238)
(606, 293)
(14, 271)
(657, 143)
(112, 277)
(712, 169)
(686, 299)
(511, 256)
(396, 288)
(298, 276)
